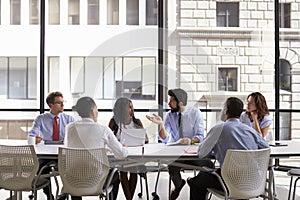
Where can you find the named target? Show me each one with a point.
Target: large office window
(15, 12)
(191, 59)
(93, 12)
(74, 10)
(151, 12)
(132, 12)
(285, 15)
(54, 12)
(112, 12)
(34, 12)
(228, 14)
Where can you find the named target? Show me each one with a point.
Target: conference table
(159, 152)
(287, 148)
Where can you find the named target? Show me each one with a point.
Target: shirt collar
(54, 115)
(233, 120)
(87, 119)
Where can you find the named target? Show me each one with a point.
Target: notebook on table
(133, 137)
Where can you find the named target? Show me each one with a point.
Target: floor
(282, 187)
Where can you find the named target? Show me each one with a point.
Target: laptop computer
(53, 142)
(133, 137)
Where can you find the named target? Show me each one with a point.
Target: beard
(173, 110)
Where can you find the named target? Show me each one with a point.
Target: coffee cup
(31, 140)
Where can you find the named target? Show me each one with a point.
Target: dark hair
(51, 97)
(120, 113)
(84, 106)
(179, 95)
(234, 107)
(260, 103)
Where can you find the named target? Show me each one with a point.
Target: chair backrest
(18, 167)
(245, 172)
(83, 171)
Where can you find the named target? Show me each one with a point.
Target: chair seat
(17, 184)
(294, 172)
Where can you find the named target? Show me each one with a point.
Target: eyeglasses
(59, 102)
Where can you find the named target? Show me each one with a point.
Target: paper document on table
(178, 142)
(191, 151)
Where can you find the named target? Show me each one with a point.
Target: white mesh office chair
(244, 174)
(18, 170)
(83, 171)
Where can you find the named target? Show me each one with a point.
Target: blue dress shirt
(43, 125)
(231, 134)
(192, 125)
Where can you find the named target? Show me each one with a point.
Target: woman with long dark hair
(124, 119)
(257, 114)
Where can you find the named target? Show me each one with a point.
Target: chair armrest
(208, 169)
(110, 177)
(53, 173)
(221, 181)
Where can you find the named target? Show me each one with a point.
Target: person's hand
(185, 141)
(38, 139)
(155, 119)
(108, 150)
(254, 115)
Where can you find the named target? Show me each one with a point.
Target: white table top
(160, 150)
(154, 149)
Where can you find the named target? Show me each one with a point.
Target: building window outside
(18, 77)
(151, 12)
(0, 12)
(227, 79)
(53, 73)
(93, 12)
(77, 75)
(285, 74)
(132, 12)
(15, 12)
(54, 12)
(227, 14)
(127, 75)
(34, 12)
(285, 15)
(3, 77)
(74, 10)
(113, 12)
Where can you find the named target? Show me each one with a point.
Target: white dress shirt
(88, 134)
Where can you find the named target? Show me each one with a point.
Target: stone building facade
(226, 48)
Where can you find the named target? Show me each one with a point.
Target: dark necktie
(55, 135)
(180, 126)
